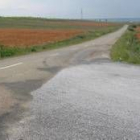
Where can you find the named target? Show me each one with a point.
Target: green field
(42, 23)
(127, 48)
(34, 23)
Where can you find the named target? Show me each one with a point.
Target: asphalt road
(100, 101)
(91, 99)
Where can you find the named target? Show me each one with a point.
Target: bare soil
(29, 37)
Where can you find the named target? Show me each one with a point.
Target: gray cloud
(71, 9)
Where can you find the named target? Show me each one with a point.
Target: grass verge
(15, 51)
(127, 48)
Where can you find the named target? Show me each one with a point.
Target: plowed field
(29, 37)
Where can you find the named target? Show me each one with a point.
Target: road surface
(90, 99)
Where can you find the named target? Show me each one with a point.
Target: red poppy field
(138, 33)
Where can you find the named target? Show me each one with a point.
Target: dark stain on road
(52, 70)
(21, 92)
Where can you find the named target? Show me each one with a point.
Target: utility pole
(82, 14)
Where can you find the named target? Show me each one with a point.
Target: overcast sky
(71, 8)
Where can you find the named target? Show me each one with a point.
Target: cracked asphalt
(84, 94)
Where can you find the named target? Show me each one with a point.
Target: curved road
(57, 110)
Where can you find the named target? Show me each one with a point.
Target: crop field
(39, 23)
(39, 34)
(25, 32)
(30, 37)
